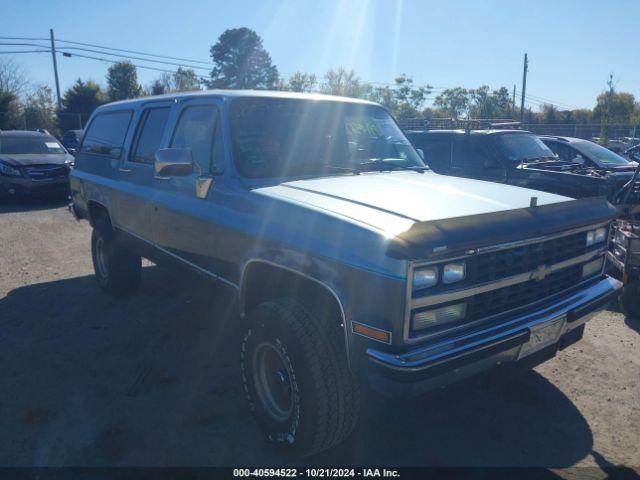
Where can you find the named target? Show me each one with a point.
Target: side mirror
(421, 153)
(173, 162)
(72, 151)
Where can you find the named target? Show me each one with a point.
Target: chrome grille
(514, 296)
(488, 267)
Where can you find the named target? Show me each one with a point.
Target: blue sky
(572, 45)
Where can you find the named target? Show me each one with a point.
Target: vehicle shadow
(153, 380)
(29, 203)
(633, 323)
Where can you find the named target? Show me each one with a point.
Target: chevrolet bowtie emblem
(539, 273)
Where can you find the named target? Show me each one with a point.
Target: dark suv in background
(519, 157)
(32, 162)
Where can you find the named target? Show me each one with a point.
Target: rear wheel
(117, 269)
(296, 377)
(630, 299)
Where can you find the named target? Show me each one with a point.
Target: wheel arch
(262, 280)
(97, 210)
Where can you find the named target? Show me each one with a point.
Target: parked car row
(352, 262)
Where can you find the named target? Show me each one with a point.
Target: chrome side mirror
(173, 162)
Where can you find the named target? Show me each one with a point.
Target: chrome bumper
(445, 361)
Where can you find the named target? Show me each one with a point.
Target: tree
(122, 81)
(12, 78)
(78, 103)
(10, 116)
(342, 82)
(407, 98)
(40, 110)
(301, 82)
(484, 103)
(241, 61)
(185, 79)
(453, 101)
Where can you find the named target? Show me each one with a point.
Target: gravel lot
(92, 381)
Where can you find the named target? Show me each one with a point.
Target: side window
(152, 124)
(196, 131)
(106, 134)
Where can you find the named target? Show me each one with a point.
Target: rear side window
(149, 136)
(106, 134)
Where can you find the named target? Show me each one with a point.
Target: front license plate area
(543, 335)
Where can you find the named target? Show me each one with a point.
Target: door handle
(124, 170)
(160, 177)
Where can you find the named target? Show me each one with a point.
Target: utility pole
(524, 86)
(55, 67)
(513, 102)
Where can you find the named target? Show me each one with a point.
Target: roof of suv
(494, 131)
(23, 133)
(240, 93)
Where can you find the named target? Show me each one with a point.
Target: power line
(108, 60)
(134, 51)
(64, 48)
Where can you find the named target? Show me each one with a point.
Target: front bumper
(433, 365)
(22, 185)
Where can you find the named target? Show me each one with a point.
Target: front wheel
(296, 377)
(117, 269)
(630, 299)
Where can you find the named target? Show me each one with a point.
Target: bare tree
(12, 77)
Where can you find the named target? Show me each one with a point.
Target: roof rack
(454, 124)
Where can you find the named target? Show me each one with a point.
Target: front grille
(492, 266)
(43, 172)
(514, 296)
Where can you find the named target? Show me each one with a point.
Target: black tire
(117, 269)
(323, 401)
(629, 301)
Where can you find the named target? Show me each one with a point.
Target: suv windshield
(17, 145)
(603, 157)
(291, 137)
(522, 147)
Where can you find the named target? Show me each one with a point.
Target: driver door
(185, 214)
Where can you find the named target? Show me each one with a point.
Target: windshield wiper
(384, 164)
(539, 159)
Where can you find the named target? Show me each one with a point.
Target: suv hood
(24, 160)
(424, 215)
(393, 201)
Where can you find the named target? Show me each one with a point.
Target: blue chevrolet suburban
(352, 263)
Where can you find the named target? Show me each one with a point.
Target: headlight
(453, 272)
(593, 267)
(425, 277)
(439, 316)
(596, 236)
(9, 171)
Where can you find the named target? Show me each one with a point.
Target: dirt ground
(149, 381)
